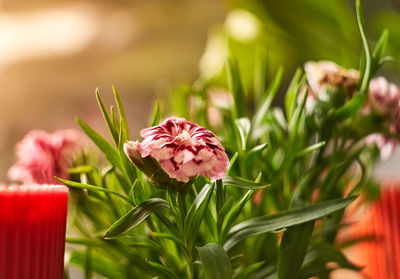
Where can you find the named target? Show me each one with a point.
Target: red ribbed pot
(32, 231)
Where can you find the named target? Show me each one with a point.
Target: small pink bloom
(328, 74)
(41, 156)
(384, 97)
(184, 149)
(386, 145)
(218, 98)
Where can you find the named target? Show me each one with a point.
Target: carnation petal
(184, 149)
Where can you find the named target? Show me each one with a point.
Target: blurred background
(53, 54)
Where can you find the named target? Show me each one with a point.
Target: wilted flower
(384, 96)
(184, 149)
(386, 145)
(328, 74)
(42, 156)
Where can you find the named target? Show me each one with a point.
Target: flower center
(182, 136)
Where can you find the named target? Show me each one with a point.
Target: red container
(32, 231)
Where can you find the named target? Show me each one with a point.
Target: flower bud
(149, 166)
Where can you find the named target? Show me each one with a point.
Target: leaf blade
(216, 262)
(280, 220)
(135, 216)
(243, 183)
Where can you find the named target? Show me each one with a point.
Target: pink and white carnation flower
(384, 96)
(386, 145)
(42, 156)
(184, 149)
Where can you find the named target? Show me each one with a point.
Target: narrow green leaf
(232, 162)
(74, 184)
(236, 88)
(243, 183)
(162, 269)
(221, 215)
(129, 168)
(293, 249)
(355, 104)
(196, 211)
(107, 118)
(310, 149)
(137, 241)
(361, 26)
(122, 116)
(280, 220)
(81, 241)
(199, 200)
(233, 214)
(81, 169)
(352, 107)
(294, 123)
(243, 126)
(248, 271)
(270, 96)
(216, 262)
(319, 255)
(256, 150)
(156, 115)
(111, 154)
(173, 238)
(220, 195)
(114, 117)
(293, 91)
(381, 45)
(88, 263)
(304, 182)
(268, 272)
(135, 216)
(139, 192)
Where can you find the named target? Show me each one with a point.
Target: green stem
(182, 209)
(220, 195)
(182, 216)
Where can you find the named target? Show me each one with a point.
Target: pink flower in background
(384, 96)
(328, 74)
(184, 149)
(386, 145)
(41, 156)
(218, 98)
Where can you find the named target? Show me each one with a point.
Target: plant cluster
(264, 199)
